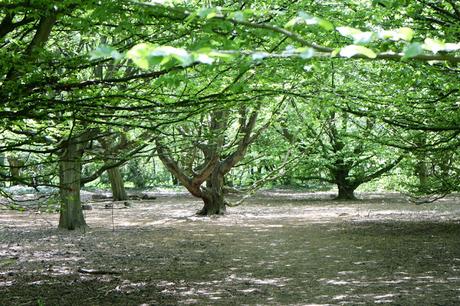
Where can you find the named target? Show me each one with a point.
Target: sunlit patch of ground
(279, 248)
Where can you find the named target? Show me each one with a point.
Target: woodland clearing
(279, 248)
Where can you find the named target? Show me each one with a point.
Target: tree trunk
(341, 176)
(71, 215)
(421, 171)
(15, 165)
(174, 180)
(2, 166)
(346, 191)
(214, 204)
(213, 196)
(117, 184)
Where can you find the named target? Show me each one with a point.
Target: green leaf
(205, 50)
(208, 12)
(248, 12)
(412, 50)
(290, 50)
(452, 47)
(433, 45)
(335, 52)
(211, 15)
(146, 55)
(221, 55)
(259, 56)
(328, 26)
(405, 33)
(352, 50)
(312, 20)
(358, 36)
(139, 54)
(190, 18)
(184, 57)
(238, 16)
(104, 51)
(304, 18)
(291, 23)
(204, 58)
(305, 53)
(398, 34)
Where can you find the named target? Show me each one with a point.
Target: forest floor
(281, 248)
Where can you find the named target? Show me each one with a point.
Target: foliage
(133, 74)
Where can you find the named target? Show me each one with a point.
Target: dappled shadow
(286, 252)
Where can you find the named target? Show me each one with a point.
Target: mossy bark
(71, 214)
(117, 184)
(213, 196)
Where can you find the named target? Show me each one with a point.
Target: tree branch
(378, 173)
(238, 154)
(176, 170)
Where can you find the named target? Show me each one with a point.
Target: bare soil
(281, 248)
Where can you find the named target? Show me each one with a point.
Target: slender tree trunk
(15, 165)
(71, 215)
(213, 196)
(421, 170)
(117, 184)
(2, 166)
(174, 180)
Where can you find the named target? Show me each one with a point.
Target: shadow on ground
(277, 249)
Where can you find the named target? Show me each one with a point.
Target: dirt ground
(281, 248)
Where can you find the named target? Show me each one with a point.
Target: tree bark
(42, 34)
(213, 196)
(15, 165)
(117, 184)
(421, 171)
(174, 180)
(346, 192)
(71, 214)
(343, 181)
(214, 166)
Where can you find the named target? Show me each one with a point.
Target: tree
(15, 164)
(217, 145)
(54, 88)
(54, 94)
(345, 152)
(70, 163)
(115, 177)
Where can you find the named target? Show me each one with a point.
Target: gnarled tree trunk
(213, 195)
(117, 184)
(215, 164)
(346, 191)
(342, 179)
(71, 215)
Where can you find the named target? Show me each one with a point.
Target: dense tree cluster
(229, 93)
